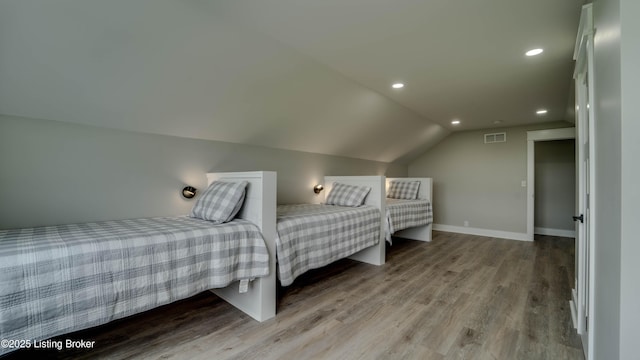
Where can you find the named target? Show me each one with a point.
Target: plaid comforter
(59, 279)
(404, 214)
(310, 236)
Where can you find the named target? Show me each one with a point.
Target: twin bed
(409, 214)
(59, 279)
(310, 236)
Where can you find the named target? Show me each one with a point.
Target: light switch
(523, 183)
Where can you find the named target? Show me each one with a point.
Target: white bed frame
(425, 192)
(376, 254)
(259, 207)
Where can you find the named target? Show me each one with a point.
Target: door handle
(579, 218)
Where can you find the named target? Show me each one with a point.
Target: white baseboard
(574, 308)
(554, 232)
(482, 232)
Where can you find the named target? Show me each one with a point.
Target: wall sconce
(318, 188)
(188, 192)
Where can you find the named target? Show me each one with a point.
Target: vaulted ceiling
(301, 75)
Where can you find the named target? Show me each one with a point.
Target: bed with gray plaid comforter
(59, 279)
(404, 214)
(310, 236)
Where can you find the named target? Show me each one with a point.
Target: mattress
(310, 236)
(404, 214)
(59, 279)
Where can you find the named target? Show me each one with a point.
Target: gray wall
(630, 128)
(555, 184)
(607, 165)
(55, 172)
(478, 182)
(617, 169)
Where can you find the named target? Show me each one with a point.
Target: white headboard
(425, 192)
(260, 208)
(260, 201)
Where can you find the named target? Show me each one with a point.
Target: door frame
(532, 138)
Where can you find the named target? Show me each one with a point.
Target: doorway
(532, 138)
(555, 188)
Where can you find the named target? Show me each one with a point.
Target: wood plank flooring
(458, 297)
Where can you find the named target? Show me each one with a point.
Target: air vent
(495, 138)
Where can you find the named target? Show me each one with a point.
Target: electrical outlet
(466, 223)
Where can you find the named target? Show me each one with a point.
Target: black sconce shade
(188, 192)
(318, 188)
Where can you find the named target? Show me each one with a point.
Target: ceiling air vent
(495, 138)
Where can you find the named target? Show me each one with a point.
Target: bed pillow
(220, 202)
(407, 190)
(347, 195)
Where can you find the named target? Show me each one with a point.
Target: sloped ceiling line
(269, 73)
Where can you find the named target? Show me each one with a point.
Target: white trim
(555, 232)
(590, 314)
(482, 232)
(551, 134)
(585, 35)
(531, 196)
(574, 308)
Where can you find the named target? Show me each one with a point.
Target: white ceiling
(302, 75)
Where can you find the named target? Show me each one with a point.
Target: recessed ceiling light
(397, 85)
(541, 111)
(497, 122)
(534, 52)
(455, 122)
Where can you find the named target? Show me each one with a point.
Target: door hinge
(586, 324)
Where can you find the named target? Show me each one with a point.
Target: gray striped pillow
(407, 190)
(220, 202)
(347, 195)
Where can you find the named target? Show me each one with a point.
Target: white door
(583, 74)
(583, 216)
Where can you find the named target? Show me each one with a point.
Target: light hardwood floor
(458, 297)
